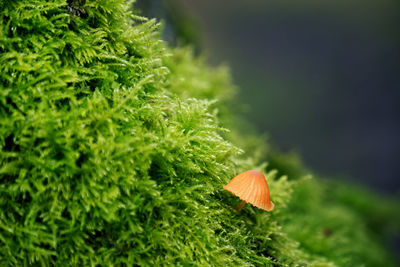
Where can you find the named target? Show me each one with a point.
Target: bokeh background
(321, 78)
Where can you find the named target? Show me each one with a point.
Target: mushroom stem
(240, 205)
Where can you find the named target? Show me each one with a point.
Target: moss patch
(115, 148)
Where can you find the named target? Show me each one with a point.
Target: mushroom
(251, 187)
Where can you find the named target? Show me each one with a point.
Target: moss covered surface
(115, 148)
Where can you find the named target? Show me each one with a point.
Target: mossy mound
(114, 151)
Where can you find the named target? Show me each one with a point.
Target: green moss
(115, 148)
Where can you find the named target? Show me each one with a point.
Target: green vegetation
(115, 148)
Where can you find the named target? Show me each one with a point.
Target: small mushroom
(251, 187)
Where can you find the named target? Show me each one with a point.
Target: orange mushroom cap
(251, 187)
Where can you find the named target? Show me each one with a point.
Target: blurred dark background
(319, 77)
